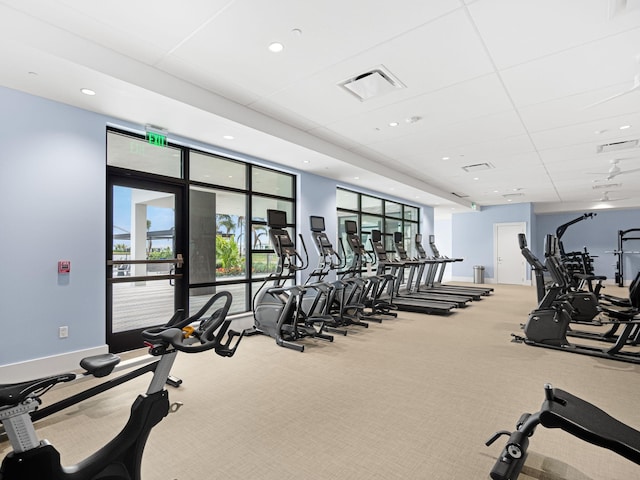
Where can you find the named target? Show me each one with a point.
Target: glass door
(145, 259)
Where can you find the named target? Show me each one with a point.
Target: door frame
(131, 339)
(496, 226)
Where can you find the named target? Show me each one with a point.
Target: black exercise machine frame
(572, 414)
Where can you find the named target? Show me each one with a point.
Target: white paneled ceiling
(502, 82)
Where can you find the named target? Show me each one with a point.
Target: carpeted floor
(412, 398)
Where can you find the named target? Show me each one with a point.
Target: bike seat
(15, 393)
(588, 422)
(100, 365)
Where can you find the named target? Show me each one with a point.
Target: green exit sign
(157, 139)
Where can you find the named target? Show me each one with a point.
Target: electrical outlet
(63, 332)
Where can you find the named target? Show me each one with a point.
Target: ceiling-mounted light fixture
(88, 91)
(276, 47)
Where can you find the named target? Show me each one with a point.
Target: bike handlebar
(174, 334)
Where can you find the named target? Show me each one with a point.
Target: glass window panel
(262, 240)
(392, 225)
(411, 213)
(218, 171)
(136, 154)
(217, 235)
(260, 205)
(371, 204)
(410, 232)
(272, 182)
(262, 264)
(346, 199)
(200, 295)
(392, 209)
(371, 222)
(342, 234)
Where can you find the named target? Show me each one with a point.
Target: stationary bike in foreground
(567, 412)
(120, 458)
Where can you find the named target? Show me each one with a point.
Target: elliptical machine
(119, 459)
(278, 310)
(331, 298)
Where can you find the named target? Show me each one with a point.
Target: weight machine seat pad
(587, 422)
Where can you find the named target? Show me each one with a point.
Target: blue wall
(599, 234)
(52, 191)
(472, 235)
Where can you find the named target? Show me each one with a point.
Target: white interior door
(510, 265)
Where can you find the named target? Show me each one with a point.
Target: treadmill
(416, 271)
(404, 303)
(437, 265)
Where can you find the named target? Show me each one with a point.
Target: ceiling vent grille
(477, 167)
(373, 83)
(513, 195)
(460, 195)
(601, 186)
(616, 146)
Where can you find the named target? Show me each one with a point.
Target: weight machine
(620, 252)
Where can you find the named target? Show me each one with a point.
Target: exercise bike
(572, 414)
(120, 458)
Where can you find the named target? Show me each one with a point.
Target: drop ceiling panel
(489, 128)
(458, 58)
(472, 99)
(588, 67)
(537, 29)
(247, 61)
(147, 31)
(573, 110)
(586, 133)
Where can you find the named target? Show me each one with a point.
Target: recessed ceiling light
(445, 158)
(228, 137)
(476, 178)
(230, 176)
(393, 124)
(599, 132)
(624, 127)
(305, 161)
(87, 91)
(356, 178)
(509, 200)
(276, 47)
(495, 191)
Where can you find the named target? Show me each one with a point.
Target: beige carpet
(412, 398)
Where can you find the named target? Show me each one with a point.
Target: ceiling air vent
(373, 83)
(600, 186)
(616, 146)
(477, 167)
(459, 195)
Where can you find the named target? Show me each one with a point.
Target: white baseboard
(41, 367)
